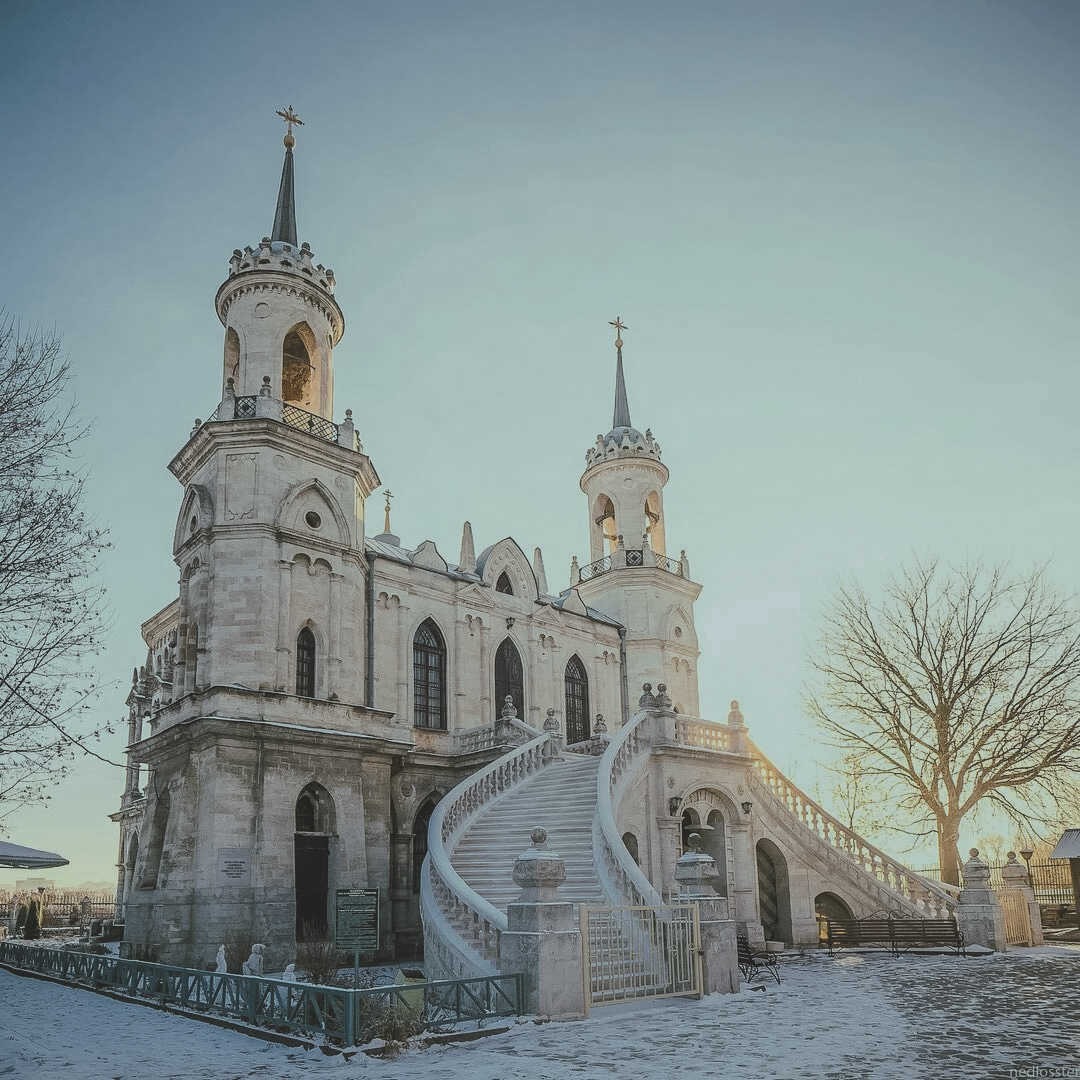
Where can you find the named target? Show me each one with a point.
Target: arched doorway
(576, 684)
(509, 677)
(774, 897)
(828, 905)
(714, 843)
(311, 848)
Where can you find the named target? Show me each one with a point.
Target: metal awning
(28, 858)
(1068, 847)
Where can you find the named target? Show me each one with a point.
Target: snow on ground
(855, 1018)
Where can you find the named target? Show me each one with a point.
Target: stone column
(541, 940)
(1016, 877)
(284, 642)
(697, 877)
(978, 913)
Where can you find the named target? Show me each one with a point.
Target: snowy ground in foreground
(916, 1018)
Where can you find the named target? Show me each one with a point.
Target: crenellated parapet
(277, 255)
(624, 442)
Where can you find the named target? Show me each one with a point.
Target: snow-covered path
(917, 1018)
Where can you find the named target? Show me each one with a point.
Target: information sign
(357, 924)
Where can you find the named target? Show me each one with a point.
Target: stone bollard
(696, 875)
(978, 913)
(1016, 877)
(540, 939)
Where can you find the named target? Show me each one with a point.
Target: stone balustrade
(897, 881)
(451, 908)
(704, 735)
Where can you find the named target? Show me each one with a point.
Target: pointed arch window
(503, 584)
(305, 663)
(509, 677)
(420, 841)
(577, 701)
(429, 677)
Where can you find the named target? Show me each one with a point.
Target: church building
(314, 691)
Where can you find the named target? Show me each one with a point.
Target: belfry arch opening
(654, 523)
(232, 359)
(297, 366)
(604, 522)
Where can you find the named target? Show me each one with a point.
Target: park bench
(893, 931)
(752, 963)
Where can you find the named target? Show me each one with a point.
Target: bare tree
(959, 685)
(51, 609)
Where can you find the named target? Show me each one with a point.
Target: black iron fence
(1050, 880)
(62, 907)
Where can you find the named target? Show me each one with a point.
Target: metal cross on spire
(620, 326)
(389, 495)
(290, 118)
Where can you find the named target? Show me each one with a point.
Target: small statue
(221, 965)
(253, 965)
(289, 974)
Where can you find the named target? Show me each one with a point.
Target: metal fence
(1050, 880)
(339, 1015)
(630, 953)
(64, 907)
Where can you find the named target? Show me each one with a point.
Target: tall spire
(285, 214)
(622, 406)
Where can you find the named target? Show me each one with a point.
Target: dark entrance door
(312, 885)
(509, 678)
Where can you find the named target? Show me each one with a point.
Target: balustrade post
(978, 913)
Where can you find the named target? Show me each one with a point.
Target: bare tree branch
(52, 609)
(961, 684)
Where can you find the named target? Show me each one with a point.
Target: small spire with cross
(290, 118)
(389, 495)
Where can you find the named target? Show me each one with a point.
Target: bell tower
(270, 537)
(631, 576)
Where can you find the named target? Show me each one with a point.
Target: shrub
(237, 949)
(318, 957)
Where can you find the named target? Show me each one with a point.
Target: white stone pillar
(697, 876)
(978, 913)
(541, 940)
(284, 634)
(404, 664)
(333, 647)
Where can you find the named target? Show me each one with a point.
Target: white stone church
(324, 709)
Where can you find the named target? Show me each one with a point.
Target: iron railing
(1050, 881)
(635, 557)
(246, 408)
(339, 1015)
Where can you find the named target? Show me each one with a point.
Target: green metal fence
(339, 1015)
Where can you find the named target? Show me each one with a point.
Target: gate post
(540, 939)
(696, 875)
(978, 913)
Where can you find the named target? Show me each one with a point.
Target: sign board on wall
(233, 866)
(356, 926)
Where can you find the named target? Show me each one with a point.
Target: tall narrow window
(429, 677)
(577, 701)
(420, 844)
(305, 663)
(509, 678)
(503, 584)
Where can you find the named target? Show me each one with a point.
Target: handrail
(621, 877)
(768, 781)
(475, 920)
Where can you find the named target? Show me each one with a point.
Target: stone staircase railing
(463, 928)
(626, 755)
(493, 736)
(894, 880)
(705, 734)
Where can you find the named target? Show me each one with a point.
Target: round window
(194, 524)
(678, 631)
(313, 519)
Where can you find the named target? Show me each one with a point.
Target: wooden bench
(753, 963)
(895, 932)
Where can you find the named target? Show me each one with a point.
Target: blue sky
(844, 237)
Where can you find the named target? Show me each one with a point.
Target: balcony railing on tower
(634, 557)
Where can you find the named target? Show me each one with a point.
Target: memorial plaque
(233, 866)
(357, 924)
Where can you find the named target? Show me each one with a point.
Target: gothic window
(305, 663)
(577, 701)
(296, 369)
(503, 584)
(305, 813)
(429, 677)
(509, 677)
(232, 358)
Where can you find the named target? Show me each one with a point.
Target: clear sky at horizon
(845, 238)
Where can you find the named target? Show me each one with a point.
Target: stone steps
(562, 799)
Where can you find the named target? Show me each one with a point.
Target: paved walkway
(915, 1018)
